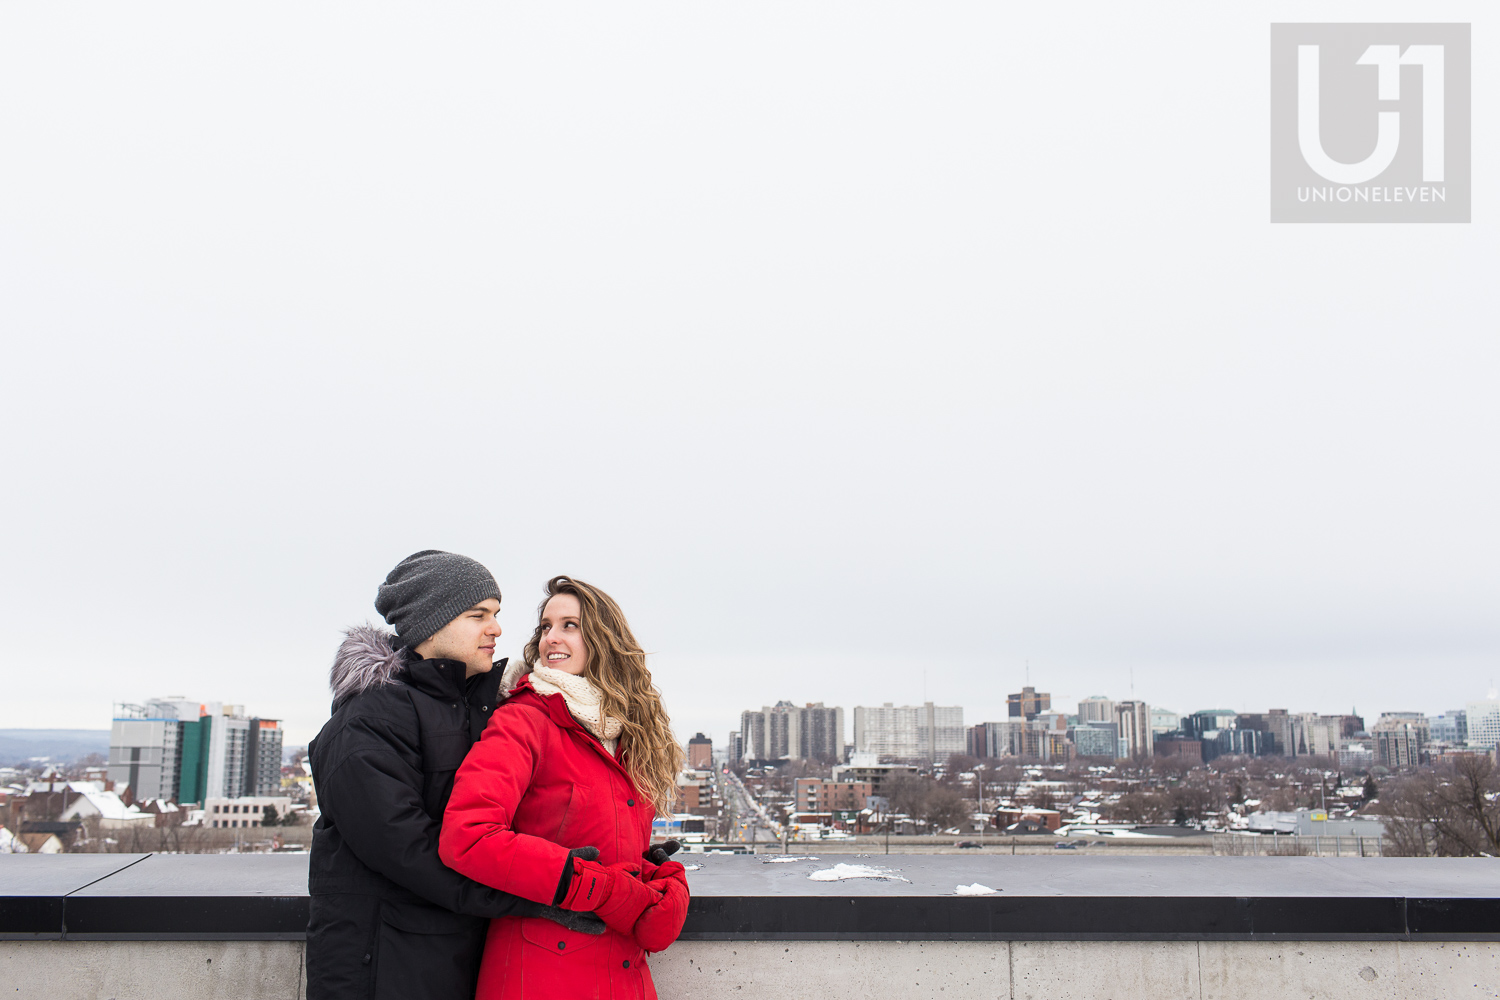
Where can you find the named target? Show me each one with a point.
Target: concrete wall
(151, 970)
(1092, 970)
(879, 970)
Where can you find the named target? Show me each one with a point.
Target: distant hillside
(60, 745)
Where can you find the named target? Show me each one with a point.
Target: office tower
(1163, 720)
(1195, 724)
(1483, 723)
(1095, 739)
(1452, 727)
(1026, 703)
(1221, 742)
(1282, 732)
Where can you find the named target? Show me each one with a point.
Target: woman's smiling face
(561, 644)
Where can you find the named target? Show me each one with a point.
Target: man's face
(469, 639)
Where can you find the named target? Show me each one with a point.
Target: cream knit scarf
(583, 701)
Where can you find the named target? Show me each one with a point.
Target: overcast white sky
(860, 350)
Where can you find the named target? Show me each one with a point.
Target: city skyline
(1125, 729)
(719, 723)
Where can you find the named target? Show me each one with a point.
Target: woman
(568, 777)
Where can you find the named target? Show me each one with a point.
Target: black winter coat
(388, 919)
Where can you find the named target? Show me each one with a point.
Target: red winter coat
(536, 785)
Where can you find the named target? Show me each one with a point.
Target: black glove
(587, 854)
(658, 854)
(583, 923)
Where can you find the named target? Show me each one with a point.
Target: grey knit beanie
(429, 589)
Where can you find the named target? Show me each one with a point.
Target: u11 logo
(1370, 123)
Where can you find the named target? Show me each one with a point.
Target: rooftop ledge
(143, 897)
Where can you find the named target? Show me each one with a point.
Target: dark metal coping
(736, 898)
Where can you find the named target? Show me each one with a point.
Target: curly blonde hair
(617, 667)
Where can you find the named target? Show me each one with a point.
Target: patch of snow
(974, 890)
(782, 861)
(842, 871)
(691, 868)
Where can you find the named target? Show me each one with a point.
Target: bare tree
(1194, 802)
(945, 807)
(1043, 798)
(1451, 810)
(1140, 807)
(961, 762)
(907, 793)
(1005, 777)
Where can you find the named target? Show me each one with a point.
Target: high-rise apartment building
(1398, 720)
(820, 732)
(1096, 709)
(174, 748)
(753, 732)
(1310, 734)
(1046, 737)
(1133, 718)
(790, 732)
(145, 746)
(263, 758)
(700, 752)
(1027, 703)
(996, 739)
(1040, 741)
(1398, 745)
(910, 732)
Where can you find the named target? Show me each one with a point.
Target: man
(387, 918)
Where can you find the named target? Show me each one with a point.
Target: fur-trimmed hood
(514, 671)
(366, 659)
